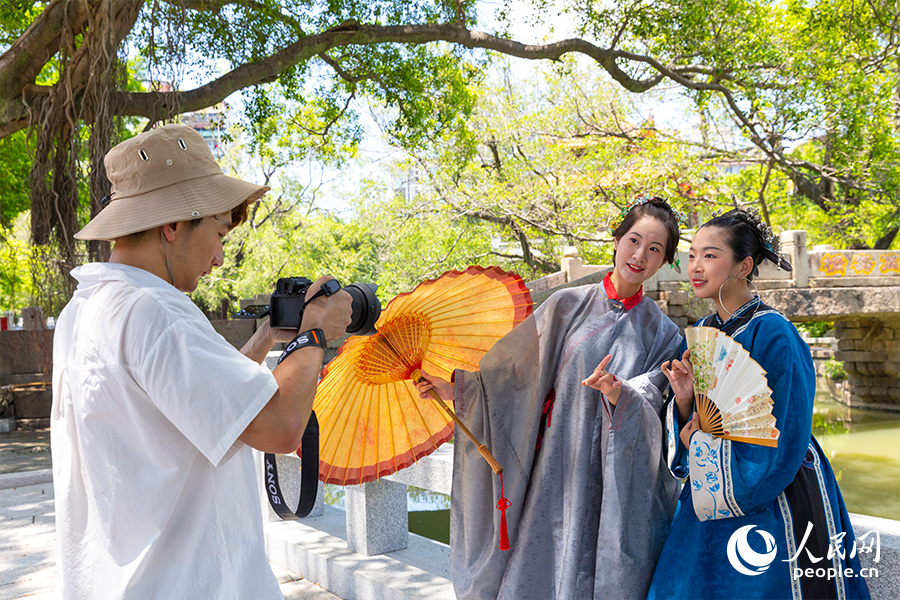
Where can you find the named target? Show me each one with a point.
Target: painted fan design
(733, 398)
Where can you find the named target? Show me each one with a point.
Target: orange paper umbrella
(372, 422)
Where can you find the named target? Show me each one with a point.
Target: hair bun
(771, 243)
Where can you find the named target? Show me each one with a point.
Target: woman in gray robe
(591, 495)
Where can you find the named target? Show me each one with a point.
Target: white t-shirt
(155, 495)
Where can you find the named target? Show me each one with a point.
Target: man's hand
(278, 335)
(331, 314)
(605, 381)
(262, 340)
(279, 426)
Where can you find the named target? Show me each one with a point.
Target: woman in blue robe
(752, 521)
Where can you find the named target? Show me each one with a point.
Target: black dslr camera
(287, 303)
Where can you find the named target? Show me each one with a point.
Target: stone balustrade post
(571, 263)
(377, 517)
(33, 318)
(793, 245)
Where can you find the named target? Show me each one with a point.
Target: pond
(863, 447)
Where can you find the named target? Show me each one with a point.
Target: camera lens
(366, 308)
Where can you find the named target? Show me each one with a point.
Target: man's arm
(279, 426)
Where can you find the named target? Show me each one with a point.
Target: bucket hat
(164, 175)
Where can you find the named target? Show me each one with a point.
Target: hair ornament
(771, 243)
(638, 201)
(676, 264)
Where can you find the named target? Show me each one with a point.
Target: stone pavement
(27, 525)
(24, 451)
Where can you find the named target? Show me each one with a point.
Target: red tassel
(502, 505)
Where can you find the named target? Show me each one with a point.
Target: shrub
(834, 369)
(816, 328)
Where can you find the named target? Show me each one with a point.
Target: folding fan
(733, 398)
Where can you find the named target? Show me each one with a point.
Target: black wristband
(311, 337)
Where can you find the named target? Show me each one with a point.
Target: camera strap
(309, 461)
(309, 475)
(330, 287)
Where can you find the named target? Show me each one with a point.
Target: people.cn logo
(746, 560)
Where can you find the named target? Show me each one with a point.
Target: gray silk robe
(591, 508)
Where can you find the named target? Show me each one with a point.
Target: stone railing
(366, 550)
(821, 348)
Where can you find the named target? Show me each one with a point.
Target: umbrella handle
(417, 377)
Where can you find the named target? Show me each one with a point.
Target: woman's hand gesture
(681, 377)
(605, 381)
(444, 388)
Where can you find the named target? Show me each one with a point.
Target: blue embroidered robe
(751, 506)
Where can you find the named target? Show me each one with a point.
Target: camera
(286, 304)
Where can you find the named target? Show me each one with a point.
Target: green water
(863, 447)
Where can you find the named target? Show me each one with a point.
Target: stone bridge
(857, 290)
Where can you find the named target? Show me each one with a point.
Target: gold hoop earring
(750, 281)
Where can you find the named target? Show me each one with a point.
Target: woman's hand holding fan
(733, 399)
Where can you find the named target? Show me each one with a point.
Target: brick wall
(870, 351)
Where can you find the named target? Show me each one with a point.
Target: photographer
(154, 413)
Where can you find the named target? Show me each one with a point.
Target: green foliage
(430, 91)
(426, 88)
(835, 369)
(285, 132)
(548, 162)
(417, 239)
(15, 279)
(14, 168)
(816, 329)
(510, 173)
(816, 80)
(843, 225)
(15, 17)
(23, 270)
(286, 243)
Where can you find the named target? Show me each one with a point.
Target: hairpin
(640, 200)
(676, 265)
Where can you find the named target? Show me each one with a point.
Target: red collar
(612, 294)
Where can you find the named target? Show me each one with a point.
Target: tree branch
(154, 105)
(215, 6)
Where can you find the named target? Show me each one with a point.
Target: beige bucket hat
(161, 176)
